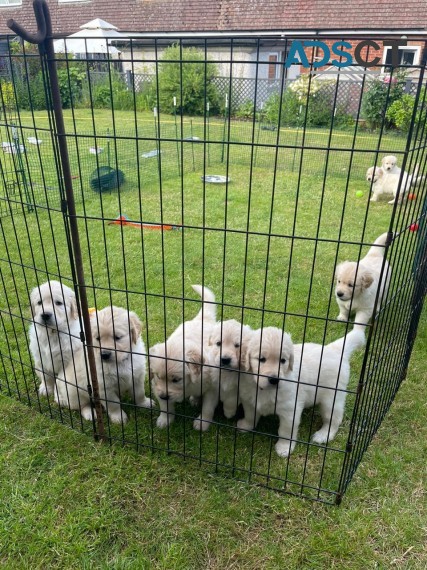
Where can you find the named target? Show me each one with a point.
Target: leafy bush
(401, 111)
(7, 96)
(189, 78)
(245, 110)
(70, 85)
(300, 106)
(379, 97)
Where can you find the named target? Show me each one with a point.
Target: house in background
(374, 18)
(209, 24)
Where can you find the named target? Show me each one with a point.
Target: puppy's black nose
(340, 294)
(164, 396)
(226, 361)
(105, 355)
(46, 316)
(274, 380)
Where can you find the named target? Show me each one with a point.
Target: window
(274, 69)
(10, 3)
(407, 56)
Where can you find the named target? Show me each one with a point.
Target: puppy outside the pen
(54, 333)
(357, 283)
(287, 378)
(227, 344)
(180, 367)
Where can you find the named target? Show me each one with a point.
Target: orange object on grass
(124, 221)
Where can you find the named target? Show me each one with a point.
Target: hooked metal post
(43, 38)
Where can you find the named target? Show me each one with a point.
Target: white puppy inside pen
(120, 365)
(54, 333)
(385, 180)
(228, 342)
(286, 379)
(179, 367)
(357, 284)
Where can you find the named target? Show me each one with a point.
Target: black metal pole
(43, 38)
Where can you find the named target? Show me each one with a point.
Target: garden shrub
(70, 85)
(189, 77)
(302, 103)
(380, 96)
(400, 112)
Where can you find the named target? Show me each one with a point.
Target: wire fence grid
(149, 203)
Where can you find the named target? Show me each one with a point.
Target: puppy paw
(163, 421)
(194, 401)
(45, 389)
(230, 412)
(119, 417)
(201, 425)
(88, 414)
(341, 317)
(244, 425)
(284, 448)
(320, 436)
(147, 403)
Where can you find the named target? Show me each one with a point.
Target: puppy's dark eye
(59, 303)
(236, 345)
(350, 285)
(97, 338)
(218, 343)
(262, 359)
(118, 337)
(283, 360)
(39, 302)
(175, 380)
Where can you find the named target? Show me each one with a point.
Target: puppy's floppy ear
(73, 307)
(135, 327)
(338, 269)
(33, 301)
(366, 279)
(246, 362)
(291, 360)
(156, 350)
(246, 336)
(194, 362)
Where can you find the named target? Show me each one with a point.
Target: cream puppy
(120, 366)
(388, 179)
(54, 333)
(357, 284)
(180, 367)
(286, 379)
(120, 360)
(228, 342)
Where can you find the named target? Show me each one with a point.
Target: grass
(66, 502)
(268, 242)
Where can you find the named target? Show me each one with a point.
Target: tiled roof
(211, 15)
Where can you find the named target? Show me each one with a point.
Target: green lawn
(66, 502)
(267, 241)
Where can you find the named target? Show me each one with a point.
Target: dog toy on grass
(124, 221)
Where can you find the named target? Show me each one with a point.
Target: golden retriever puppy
(73, 386)
(120, 366)
(120, 360)
(179, 367)
(357, 284)
(227, 344)
(286, 379)
(54, 333)
(374, 175)
(388, 179)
